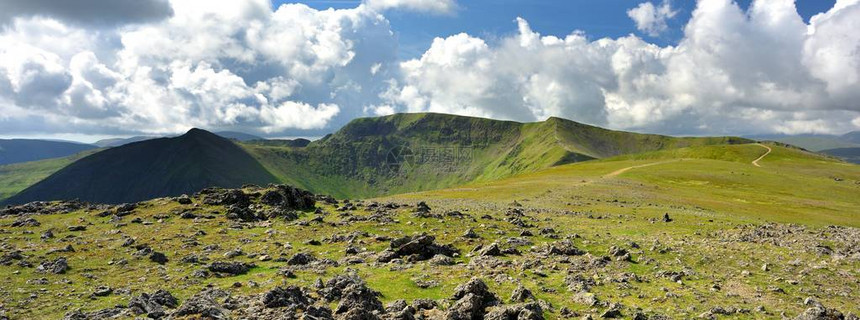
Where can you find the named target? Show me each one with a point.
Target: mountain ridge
(151, 168)
(26, 150)
(377, 156)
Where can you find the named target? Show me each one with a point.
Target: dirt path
(755, 162)
(623, 170)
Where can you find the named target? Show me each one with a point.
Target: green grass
(792, 186)
(17, 177)
(709, 191)
(425, 151)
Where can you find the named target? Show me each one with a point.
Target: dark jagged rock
(565, 247)
(288, 197)
(231, 268)
(521, 294)
(358, 297)
(291, 297)
(183, 199)
(225, 197)
(26, 222)
(422, 247)
(524, 311)
(204, 304)
(300, 259)
(819, 312)
(491, 250)
(158, 257)
(109, 313)
(471, 234)
(240, 212)
(43, 207)
(471, 301)
(333, 289)
(57, 266)
(153, 305)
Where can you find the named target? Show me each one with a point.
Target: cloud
(89, 12)
(764, 70)
(294, 70)
(430, 6)
(230, 64)
(651, 19)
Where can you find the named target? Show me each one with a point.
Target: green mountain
(152, 168)
(18, 176)
(411, 152)
(853, 137)
(24, 150)
(241, 136)
(367, 157)
(847, 154)
(815, 142)
(116, 142)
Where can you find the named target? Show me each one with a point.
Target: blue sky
(491, 19)
(105, 68)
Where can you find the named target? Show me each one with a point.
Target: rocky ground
(278, 252)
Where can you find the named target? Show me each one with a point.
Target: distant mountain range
(367, 157)
(151, 168)
(845, 146)
(24, 150)
(116, 142)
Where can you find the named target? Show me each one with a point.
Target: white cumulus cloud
(763, 70)
(651, 18)
(244, 65)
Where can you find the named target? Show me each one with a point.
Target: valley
(693, 232)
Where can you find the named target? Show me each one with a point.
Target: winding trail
(755, 162)
(623, 170)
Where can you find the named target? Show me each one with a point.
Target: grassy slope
(19, 176)
(708, 191)
(152, 168)
(377, 156)
(366, 157)
(792, 186)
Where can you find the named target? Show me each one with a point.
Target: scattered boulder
(420, 247)
(819, 312)
(564, 248)
(58, 266)
(491, 250)
(158, 257)
(102, 291)
(288, 197)
(521, 294)
(441, 260)
(26, 222)
(183, 199)
(48, 234)
(471, 301)
(291, 297)
(471, 234)
(152, 305)
(357, 298)
(300, 259)
(230, 268)
(523, 311)
(204, 304)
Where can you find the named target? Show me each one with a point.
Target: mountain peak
(197, 131)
